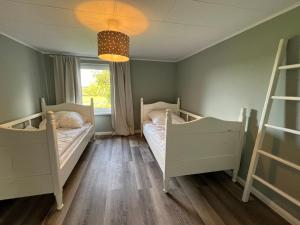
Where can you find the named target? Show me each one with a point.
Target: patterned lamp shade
(113, 46)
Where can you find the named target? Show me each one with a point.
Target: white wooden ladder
(257, 151)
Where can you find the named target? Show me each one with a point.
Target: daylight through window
(95, 82)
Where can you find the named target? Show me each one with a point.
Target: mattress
(65, 138)
(155, 134)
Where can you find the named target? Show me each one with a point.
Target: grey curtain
(121, 99)
(67, 79)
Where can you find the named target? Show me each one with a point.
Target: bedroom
(215, 56)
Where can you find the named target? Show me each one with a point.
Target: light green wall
(221, 79)
(154, 81)
(103, 123)
(151, 80)
(23, 74)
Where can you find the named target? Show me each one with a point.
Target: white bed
(34, 162)
(198, 145)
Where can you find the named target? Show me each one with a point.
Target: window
(95, 82)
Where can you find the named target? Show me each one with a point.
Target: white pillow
(158, 117)
(65, 119)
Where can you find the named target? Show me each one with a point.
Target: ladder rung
(289, 67)
(283, 161)
(297, 132)
(289, 98)
(278, 191)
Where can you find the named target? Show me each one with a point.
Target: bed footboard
(203, 145)
(24, 163)
(29, 159)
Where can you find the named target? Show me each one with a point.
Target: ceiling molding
(153, 60)
(21, 42)
(53, 53)
(242, 31)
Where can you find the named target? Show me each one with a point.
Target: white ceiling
(177, 28)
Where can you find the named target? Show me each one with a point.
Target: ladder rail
(264, 117)
(297, 132)
(286, 98)
(290, 67)
(277, 190)
(281, 160)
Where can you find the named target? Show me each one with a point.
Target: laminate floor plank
(207, 213)
(254, 209)
(81, 211)
(237, 211)
(217, 203)
(126, 150)
(133, 141)
(146, 154)
(117, 181)
(141, 174)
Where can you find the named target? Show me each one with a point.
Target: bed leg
(234, 175)
(59, 200)
(166, 184)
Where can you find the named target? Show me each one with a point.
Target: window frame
(95, 65)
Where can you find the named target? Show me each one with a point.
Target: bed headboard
(146, 108)
(86, 111)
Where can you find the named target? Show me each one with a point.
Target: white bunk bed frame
(29, 159)
(200, 145)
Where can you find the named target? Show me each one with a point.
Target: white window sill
(102, 112)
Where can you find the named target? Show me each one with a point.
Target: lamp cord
(113, 15)
(115, 8)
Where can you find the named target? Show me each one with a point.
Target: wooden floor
(118, 182)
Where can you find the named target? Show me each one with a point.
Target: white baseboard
(103, 133)
(106, 133)
(276, 208)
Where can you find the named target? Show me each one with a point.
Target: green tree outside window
(99, 90)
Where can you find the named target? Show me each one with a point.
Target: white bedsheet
(155, 134)
(65, 137)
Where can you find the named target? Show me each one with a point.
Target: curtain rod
(81, 57)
